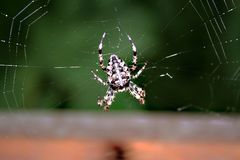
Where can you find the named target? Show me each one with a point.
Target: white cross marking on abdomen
(118, 74)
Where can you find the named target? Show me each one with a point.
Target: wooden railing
(118, 135)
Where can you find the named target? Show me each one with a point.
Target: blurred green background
(55, 59)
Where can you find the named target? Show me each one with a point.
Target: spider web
(49, 49)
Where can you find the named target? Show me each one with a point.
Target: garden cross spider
(119, 77)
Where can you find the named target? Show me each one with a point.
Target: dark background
(69, 34)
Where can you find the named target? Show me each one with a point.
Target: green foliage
(69, 36)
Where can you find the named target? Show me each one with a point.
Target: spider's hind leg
(137, 92)
(107, 100)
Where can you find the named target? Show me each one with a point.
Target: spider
(119, 77)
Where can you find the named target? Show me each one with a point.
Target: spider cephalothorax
(119, 77)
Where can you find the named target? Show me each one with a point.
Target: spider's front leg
(100, 56)
(106, 102)
(134, 60)
(137, 92)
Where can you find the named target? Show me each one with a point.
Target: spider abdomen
(118, 72)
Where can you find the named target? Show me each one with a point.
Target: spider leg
(100, 56)
(107, 99)
(137, 92)
(96, 77)
(134, 61)
(139, 72)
